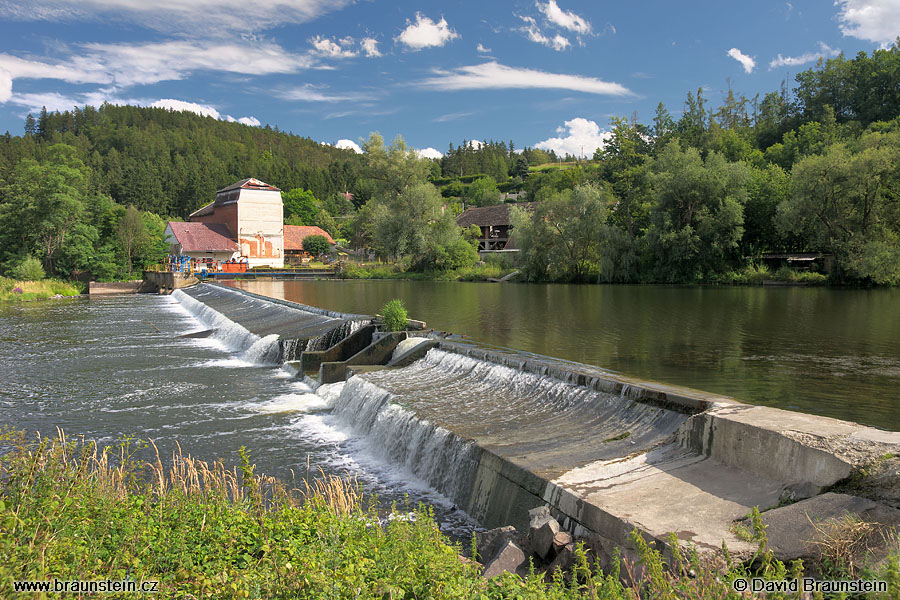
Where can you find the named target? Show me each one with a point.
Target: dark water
(115, 367)
(816, 350)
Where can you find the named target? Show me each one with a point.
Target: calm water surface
(817, 350)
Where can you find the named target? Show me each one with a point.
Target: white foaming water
(396, 435)
(421, 459)
(254, 351)
(302, 402)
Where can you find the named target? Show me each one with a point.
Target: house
(205, 242)
(495, 226)
(293, 241)
(249, 213)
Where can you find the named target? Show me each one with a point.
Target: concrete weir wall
(501, 432)
(298, 326)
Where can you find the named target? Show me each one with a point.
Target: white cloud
(312, 93)
(180, 105)
(583, 138)
(370, 47)
(872, 20)
(825, 51)
(5, 85)
(53, 101)
(475, 144)
(531, 29)
(452, 117)
(124, 65)
(171, 60)
(203, 110)
(746, 61)
(348, 145)
(492, 75)
(425, 33)
(339, 49)
(428, 153)
(482, 49)
(212, 17)
(565, 19)
(78, 70)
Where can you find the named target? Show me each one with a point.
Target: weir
(288, 327)
(501, 432)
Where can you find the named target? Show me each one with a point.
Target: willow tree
(848, 202)
(697, 219)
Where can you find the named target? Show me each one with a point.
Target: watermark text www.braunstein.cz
(809, 584)
(93, 586)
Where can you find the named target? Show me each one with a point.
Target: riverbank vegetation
(12, 290)
(811, 168)
(72, 511)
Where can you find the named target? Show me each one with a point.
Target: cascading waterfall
(252, 348)
(432, 453)
(438, 415)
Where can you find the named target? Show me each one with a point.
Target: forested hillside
(171, 163)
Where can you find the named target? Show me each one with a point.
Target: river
(825, 351)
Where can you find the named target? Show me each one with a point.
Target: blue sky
(546, 73)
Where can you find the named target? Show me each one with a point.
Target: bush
(30, 269)
(316, 244)
(394, 315)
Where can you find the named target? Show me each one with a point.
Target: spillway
(288, 328)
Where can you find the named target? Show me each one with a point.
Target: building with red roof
(293, 241)
(245, 222)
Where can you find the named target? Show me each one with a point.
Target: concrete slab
(665, 490)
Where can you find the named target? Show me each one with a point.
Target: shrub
(30, 269)
(316, 244)
(394, 315)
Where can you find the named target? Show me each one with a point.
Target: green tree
(301, 206)
(43, 205)
(316, 245)
(483, 192)
(697, 220)
(623, 161)
(29, 269)
(560, 240)
(132, 234)
(846, 202)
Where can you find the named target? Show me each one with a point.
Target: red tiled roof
(250, 183)
(294, 234)
(203, 237)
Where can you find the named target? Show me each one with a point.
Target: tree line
(702, 197)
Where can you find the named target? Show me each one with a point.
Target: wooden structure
(495, 226)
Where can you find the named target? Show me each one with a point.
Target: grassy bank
(12, 290)
(71, 511)
(481, 272)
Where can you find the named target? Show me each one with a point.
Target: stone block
(510, 559)
(542, 538)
